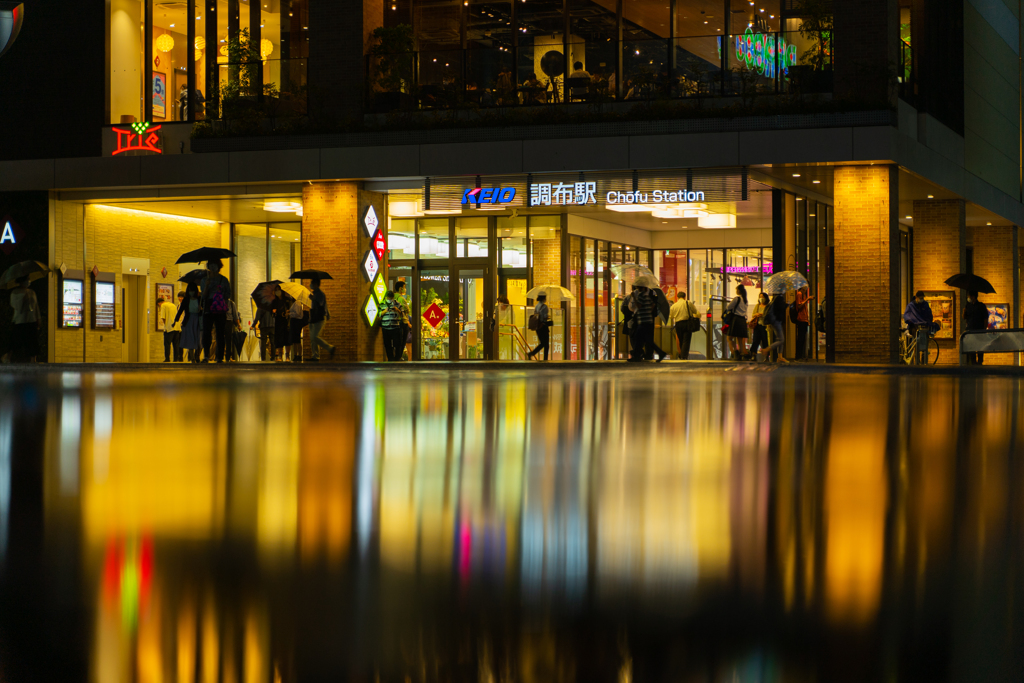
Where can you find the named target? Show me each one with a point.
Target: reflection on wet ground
(464, 526)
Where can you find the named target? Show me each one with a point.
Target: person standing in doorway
(975, 318)
(216, 294)
(391, 323)
(803, 321)
(403, 303)
(318, 315)
(643, 306)
(265, 329)
(172, 331)
(543, 323)
(26, 322)
(679, 316)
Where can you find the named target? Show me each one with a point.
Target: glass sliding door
(432, 310)
(475, 312)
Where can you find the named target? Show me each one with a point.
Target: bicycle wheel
(933, 351)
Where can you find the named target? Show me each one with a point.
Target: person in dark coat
(975, 318)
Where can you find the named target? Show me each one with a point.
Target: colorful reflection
(426, 525)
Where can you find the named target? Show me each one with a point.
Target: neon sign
(656, 197)
(136, 139)
(758, 51)
(766, 269)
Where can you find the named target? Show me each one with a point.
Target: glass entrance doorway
(431, 310)
(476, 303)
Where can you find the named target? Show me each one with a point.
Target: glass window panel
(471, 314)
(512, 238)
(402, 238)
(590, 298)
(285, 250)
(127, 56)
(433, 238)
(471, 237)
(251, 264)
(576, 307)
(604, 301)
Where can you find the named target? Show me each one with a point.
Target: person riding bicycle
(918, 317)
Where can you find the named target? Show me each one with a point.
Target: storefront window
(471, 237)
(251, 265)
(512, 238)
(575, 285)
(590, 298)
(127, 60)
(433, 238)
(434, 286)
(285, 250)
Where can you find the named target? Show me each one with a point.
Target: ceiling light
(629, 208)
(200, 43)
(796, 175)
(694, 213)
(816, 182)
(989, 223)
(165, 43)
(717, 220)
(910, 218)
(931, 196)
(277, 206)
(172, 25)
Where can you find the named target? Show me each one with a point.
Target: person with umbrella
(643, 303)
(543, 323)
(215, 298)
(189, 312)
(318, 315)
(775, 319)
(975, 318)
(279, 306)
(26, 321)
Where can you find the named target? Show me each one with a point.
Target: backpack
(218, 301)
(392, 318)
(534, 322)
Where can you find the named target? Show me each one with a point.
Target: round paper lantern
(200, 43)
(165, 43)
(266, 48)
(199, 54)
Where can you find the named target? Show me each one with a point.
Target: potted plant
(391, 67)
(814, 73)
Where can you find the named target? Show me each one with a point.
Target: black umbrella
(263, 295)
(194, 277)
(204, 254)
(971, 282)
(311, 275)
(33, 270)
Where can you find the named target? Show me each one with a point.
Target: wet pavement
(496, 525)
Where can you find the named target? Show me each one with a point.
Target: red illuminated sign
(434, 315)
(138, 138)
(380, 245)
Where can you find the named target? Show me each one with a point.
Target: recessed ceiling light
(796, 175)
(816, 182)
(909, 218)
(931, 196)
(989, 223)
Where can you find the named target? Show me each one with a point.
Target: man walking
(172, 330)
(318, 314)
(643, 306)
(543, 323)
(679, 317)
(391, 323)
(975, 318)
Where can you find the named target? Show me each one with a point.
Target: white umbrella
(555, 294)
(647, 281)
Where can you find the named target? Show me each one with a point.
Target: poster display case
(72, 299)
(943, 305)
(103, 302)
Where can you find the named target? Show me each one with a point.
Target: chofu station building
(713, 151)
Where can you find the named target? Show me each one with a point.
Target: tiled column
(940, 240)
(333, 240)
(866, 263)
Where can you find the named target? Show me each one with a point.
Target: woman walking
(26, 322)
(189, 311)
(738, 324)
(803, 321)
(295, 325)
(759, 339)
(543, 322)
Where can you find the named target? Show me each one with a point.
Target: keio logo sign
(488, 195)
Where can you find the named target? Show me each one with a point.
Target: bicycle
(908, 348)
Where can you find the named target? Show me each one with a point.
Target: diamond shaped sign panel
(371, 310)
(380, 288)
(380, 245)
(370, 266)
(433, 315)
(370, 221)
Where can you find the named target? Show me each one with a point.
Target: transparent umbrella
(628, 272)
(787, 280)
(647, 281)
(555, 294)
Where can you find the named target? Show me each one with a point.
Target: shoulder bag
(693, 322)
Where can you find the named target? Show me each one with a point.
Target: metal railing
(693, 68)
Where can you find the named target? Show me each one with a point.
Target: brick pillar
(993, 260)
(866, 50)
(547, 261)
(939, 230)
(867, 263)
(333, 240)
